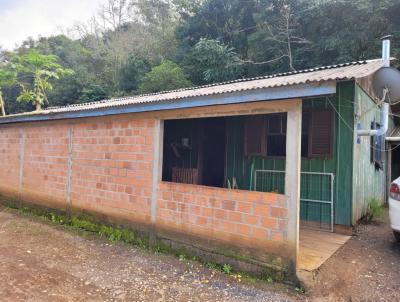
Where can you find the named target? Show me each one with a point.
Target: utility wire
(340, 116)
(385, 91)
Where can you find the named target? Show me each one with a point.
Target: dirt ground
(366, 268)
(44, 262)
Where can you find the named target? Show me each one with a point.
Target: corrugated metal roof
(395, 132)
(346, 71)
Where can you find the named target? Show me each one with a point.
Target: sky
(20, 19)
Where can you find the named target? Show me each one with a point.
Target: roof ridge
(282, 74)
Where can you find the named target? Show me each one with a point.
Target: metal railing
(316, 188)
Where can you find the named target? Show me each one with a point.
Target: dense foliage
(146, 46)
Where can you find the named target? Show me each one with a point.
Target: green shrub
(227, 269)
(84, 224)
(375, 210)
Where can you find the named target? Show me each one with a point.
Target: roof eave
(267, 94)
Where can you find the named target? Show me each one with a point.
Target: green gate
(316, 195)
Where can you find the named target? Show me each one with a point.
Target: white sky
(20, 19)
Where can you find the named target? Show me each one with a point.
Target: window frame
(283, 132)
(378, 161)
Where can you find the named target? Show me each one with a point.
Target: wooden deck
(316, 247)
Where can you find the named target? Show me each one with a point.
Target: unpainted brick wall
(10, 159)
(112, 167)
(45, 156)
(105, 165)
(229, 215)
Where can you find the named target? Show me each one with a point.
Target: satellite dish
(387, 78)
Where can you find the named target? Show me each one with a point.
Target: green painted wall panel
(242, 168)
(368, 182)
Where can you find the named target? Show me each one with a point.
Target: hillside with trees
(143, 46)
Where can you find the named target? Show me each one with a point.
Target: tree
(40, 70)
(93, 93)
(277, 44)
(166, 76)
(212, 61)
(132, 73)
(7, 78)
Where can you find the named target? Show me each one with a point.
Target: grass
(375, 211)
(84, 223)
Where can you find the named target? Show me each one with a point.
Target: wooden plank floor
(316, 247)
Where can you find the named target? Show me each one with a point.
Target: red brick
(171, 205)
(254, 196)
(201, 220)
(208, 212)
(270, 198)
(261, 210)
(278, 212)
(229, 227)
(251, 219)
(276, 236)
(220, 214)
(195, 209)
(270, 223)
(260, 233)
(235, 216)
(166, 195)
(245, 207)
(243, 230)
(228, 205)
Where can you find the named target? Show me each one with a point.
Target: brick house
(231, 170)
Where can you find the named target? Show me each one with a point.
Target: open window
(194, 151)
(266, 135)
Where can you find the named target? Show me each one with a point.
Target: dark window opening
(194, 151)
(276, 134)
(377, 145)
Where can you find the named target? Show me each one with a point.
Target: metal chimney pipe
(386, 50)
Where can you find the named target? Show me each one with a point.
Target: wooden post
(292, 179)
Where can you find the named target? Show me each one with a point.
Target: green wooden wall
(368, 182)
(242, 168)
